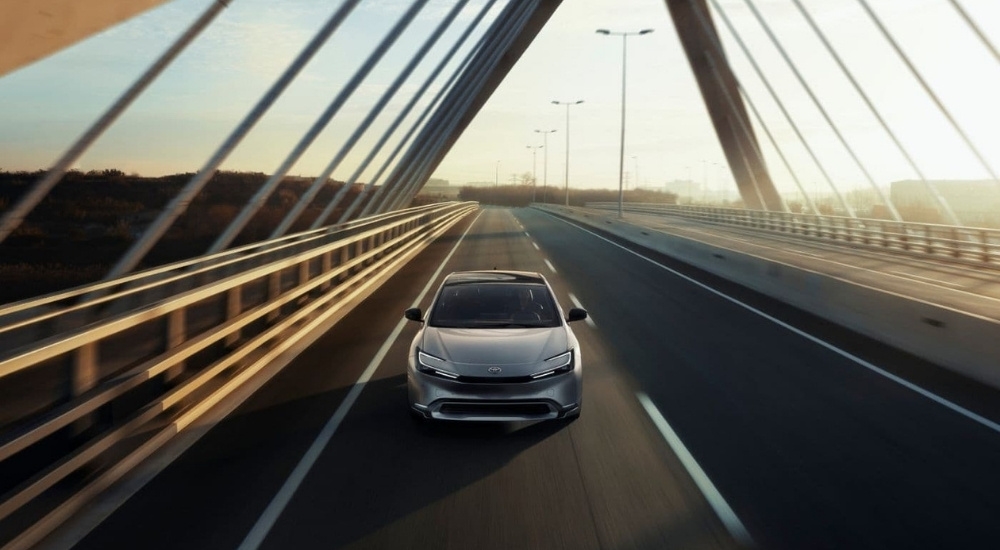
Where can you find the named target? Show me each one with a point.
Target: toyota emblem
(495, 370)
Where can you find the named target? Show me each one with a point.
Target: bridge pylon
(717, 82)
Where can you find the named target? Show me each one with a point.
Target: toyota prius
(494, 345)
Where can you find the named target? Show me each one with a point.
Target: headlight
(429, 364)
(556, 365)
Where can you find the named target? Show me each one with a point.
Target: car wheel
(418, 418)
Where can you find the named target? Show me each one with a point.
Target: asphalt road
(809, 448)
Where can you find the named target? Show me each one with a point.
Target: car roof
(494, 276)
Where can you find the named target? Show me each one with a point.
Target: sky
(180, 121)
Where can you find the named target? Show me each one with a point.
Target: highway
(806, 446)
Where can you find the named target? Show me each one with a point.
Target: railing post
(345, 256)
(176, 335)
(984, 239)
(84, 372)
(303, 273)
(82, 377)
(234, 306)
(326, 264)
(273, 291)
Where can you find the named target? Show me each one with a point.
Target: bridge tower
(719, 89)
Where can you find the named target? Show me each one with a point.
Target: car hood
(470, 349)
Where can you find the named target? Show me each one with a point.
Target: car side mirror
(414, 314)
(576, 314)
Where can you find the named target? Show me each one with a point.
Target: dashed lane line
(701, 479)
(267, 520)
(576, 302)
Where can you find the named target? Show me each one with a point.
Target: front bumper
(441, 399)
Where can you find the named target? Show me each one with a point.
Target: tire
(418, 419)
(569, 418)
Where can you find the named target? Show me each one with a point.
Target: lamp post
(635, 163)
(621, 154)
(690, 193)
(545, 163)
(568, 104)
(534, 168)
(704, 179)
(496, 184)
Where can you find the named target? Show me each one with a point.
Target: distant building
(437, 187)
(975, 202)
(683, 188)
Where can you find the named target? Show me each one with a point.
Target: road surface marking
(927, 279)
(985, 422)
(548, 263)
(267, 520)
(526, 234)
(576, 302)
(712, 495)
(813, 254)
(534, 244)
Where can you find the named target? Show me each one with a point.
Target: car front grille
(496, 409)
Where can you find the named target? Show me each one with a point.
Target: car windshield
(494, 305)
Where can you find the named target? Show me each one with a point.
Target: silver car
(495, 346)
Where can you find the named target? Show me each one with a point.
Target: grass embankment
(90, 219)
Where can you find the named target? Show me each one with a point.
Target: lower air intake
(496, 409)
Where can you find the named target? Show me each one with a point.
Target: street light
(690, 192)
(621, 154)
(568, 104)
(545, 163)
(534, 166)
(635, 162)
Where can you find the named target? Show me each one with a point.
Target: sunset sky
(186, 114)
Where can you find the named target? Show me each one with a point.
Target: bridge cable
(373, 59)
(265, 191)
(466, 92)
(418, 125)
(975, 28)
(788, 117)
(421, 146)
(406, 111)
(940, 200)
(380, 105)
(819, 105)
(930, 92)
(179, 204)
(15, 216)
(753, 108)
(431, 106)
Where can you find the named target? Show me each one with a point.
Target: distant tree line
(87, 221)
(523, 195)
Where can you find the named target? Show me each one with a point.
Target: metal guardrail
(975, 246)
(182, 337)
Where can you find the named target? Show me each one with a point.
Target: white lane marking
(526, 234)
(712, 495)
(847, 355)
(266, 521)
(548, 263)
(928, 279)
(576, 302)
(813, 254)
(534, 244)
